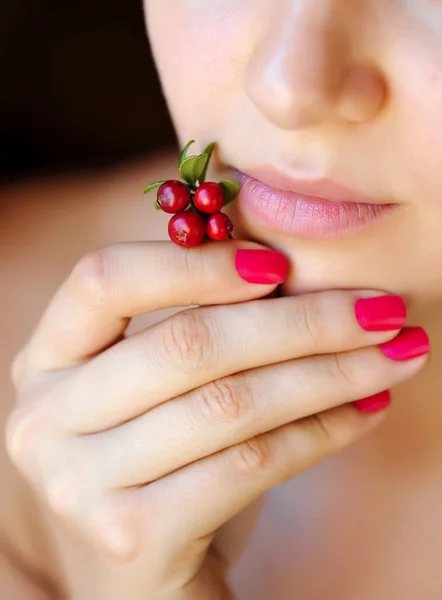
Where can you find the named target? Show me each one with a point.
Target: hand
(149, 444)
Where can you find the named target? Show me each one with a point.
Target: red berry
(187, 229)
(173, 196)
(209, 198)
(219, 227)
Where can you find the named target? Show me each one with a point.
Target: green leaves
(193, 170)
(230, 190)
(153, 186)
(193, 167)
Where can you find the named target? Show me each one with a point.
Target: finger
(108, 287)
(201, 345)
(203, 496)
(232, 410)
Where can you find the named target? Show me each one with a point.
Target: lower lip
(305, 216)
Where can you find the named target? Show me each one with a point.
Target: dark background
(78, 86)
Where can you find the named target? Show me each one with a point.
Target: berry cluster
(196, 205)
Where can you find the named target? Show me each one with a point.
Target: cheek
(201, 53)
(419, 112)
(421, 167)
(416, 78)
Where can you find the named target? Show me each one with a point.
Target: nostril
(363, 94)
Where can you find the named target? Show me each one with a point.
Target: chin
(316, 267)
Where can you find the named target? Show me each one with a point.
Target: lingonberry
(187, 229)
(173, 197)
(209, 198)
(195, 204)
(219, 227)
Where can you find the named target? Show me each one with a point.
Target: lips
(308, 209)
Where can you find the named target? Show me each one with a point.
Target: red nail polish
(382, 313)
(374, 404)
(265, 267)
(410, 343)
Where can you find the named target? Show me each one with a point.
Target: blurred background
(78, 86)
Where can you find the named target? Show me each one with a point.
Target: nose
(302, 73)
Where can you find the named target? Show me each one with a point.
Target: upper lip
(324, 189)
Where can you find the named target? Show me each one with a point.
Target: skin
(310, 110)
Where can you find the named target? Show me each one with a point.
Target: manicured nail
(264, 267)
(374, 404)
(410, 343)
(382, 313)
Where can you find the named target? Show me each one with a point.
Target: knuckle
(187, 341)
(197, 547)
(310, 318)
(22, 428)
(61, 492)
(252, 456)
(334, 431)
(110, 523)
(188, 551)
(18, 369)
(68, 483)
(88, 281)
(321, 429)
(229, 399)
(191, 268)
(339, 369)
(116, 532)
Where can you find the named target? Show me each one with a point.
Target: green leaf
(207, 150)
(156, 205)
(153, 186)
(184, 153)
(192, 167)
(187, 169)
(200, 166)
(230, 190)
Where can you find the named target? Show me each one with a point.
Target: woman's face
(301, 91)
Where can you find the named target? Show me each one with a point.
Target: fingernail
(374, 404)
(382, 313)
(411, 342)
(264, 267)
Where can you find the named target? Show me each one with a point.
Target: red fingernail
(382, 313)
(265, 267)
(374, 404)
(410, 343)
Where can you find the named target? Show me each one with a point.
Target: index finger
(93, 307)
